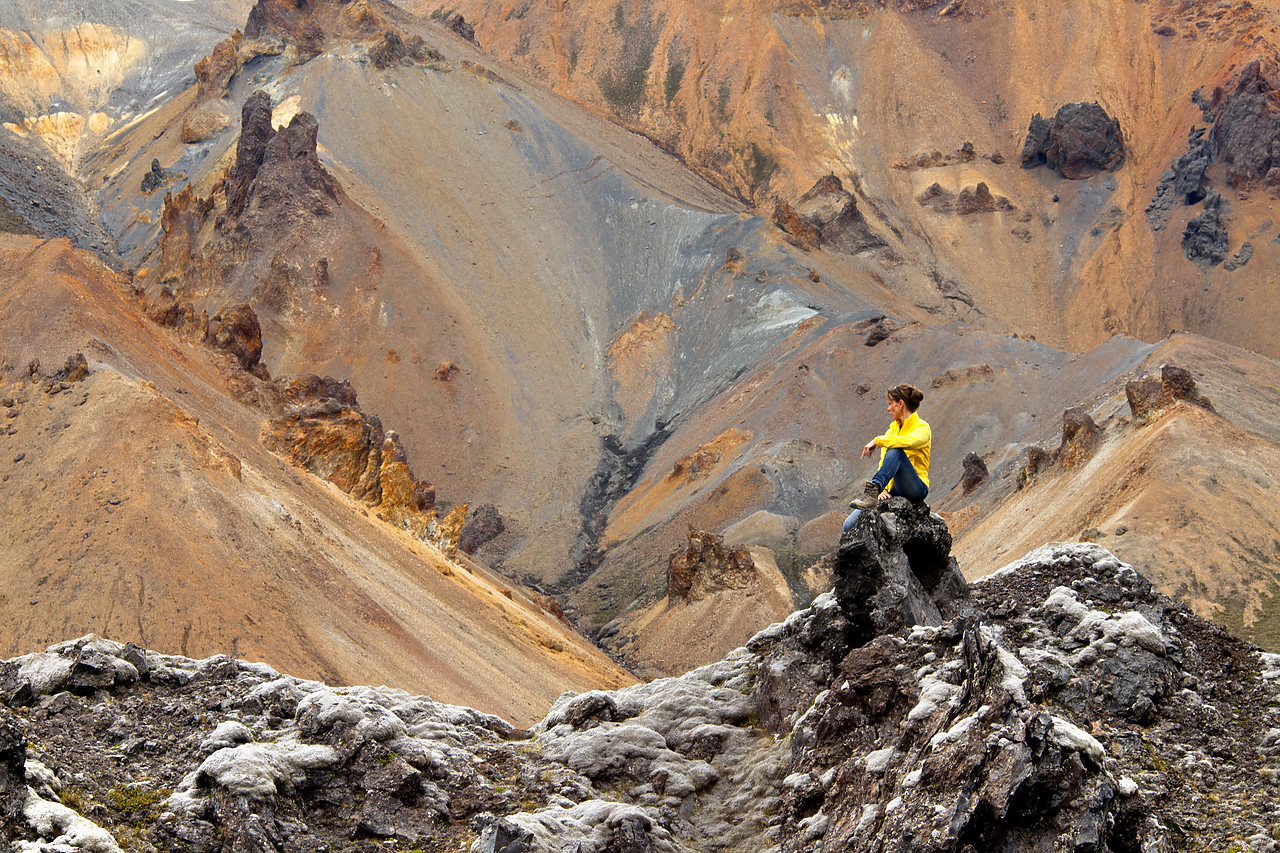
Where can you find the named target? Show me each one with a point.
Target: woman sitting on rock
(904, 455)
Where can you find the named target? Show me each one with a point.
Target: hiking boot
(870, 496)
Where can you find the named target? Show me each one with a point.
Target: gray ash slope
(1066, 706)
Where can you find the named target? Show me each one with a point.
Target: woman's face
(897, 410)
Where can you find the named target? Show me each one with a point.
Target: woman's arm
(919, 436)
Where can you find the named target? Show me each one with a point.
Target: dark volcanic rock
(255, 133)
(483, 525)
(1246, 134)
(13, 776)
(1205, 237)
(459, 25)
(277, 172)
(1070, 708)
(290, 177)
(975, 472)
(1240, 258)
(828, 216)
(1080, 141)
(894, 570)
(154, 179)
(1185, 182)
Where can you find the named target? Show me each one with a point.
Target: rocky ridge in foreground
(1066, 707)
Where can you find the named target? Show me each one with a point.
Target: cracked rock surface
(1067, 706)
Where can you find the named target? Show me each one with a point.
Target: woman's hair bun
(908, 394)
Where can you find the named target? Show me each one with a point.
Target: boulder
(204, 121)
(1205, 238)
(894, 569)
(484, 525)
(1080, 141)
(975, 472)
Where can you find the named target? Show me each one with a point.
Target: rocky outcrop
(255, 132)
(394, 50)
(705, 565)
(1185, 182)
(1244, 137)
(1070, 707)
(970, 200)
(483, 526)
(978, 199)
(935, 158)
(1205, 237)
(458, 24)
(975, 472)
(181, 219)
(277, 170)
(1246, 133)
(1079, 142)
(214, 72)
(827, 216)
(1148, 395)
(158, 177)
(325, 432)
(1080, 438)
(894, 569)
(290, 179)
(236, 331)
(308, 25)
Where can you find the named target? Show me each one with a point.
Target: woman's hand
(870, 446)
(884, 496)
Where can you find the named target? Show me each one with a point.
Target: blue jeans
(906, 482)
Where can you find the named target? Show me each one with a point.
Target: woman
(904, 455)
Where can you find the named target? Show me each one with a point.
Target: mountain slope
(151, 511)
(763, 99)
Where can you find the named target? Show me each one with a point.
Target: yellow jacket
(914, 437)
